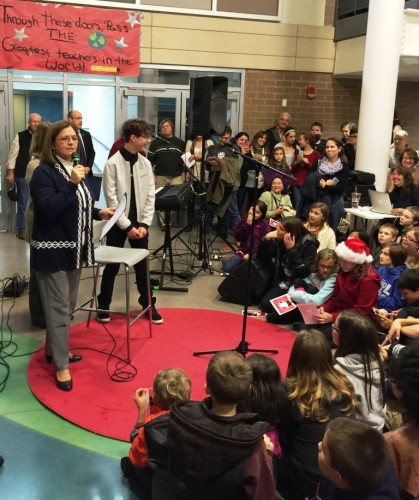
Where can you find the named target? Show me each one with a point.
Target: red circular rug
(104, 406)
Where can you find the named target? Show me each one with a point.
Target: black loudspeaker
(208, 105)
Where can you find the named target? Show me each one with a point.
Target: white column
(379, 85)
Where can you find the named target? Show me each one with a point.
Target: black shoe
(67, 385)
(71, 359)
(1, 460)
(156, 318)
(103, 317)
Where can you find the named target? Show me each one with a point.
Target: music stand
(243, 346)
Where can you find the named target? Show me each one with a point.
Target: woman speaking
(61, 240)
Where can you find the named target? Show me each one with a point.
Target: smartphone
(335, 180)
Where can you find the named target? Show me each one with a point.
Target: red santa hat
(354, 250)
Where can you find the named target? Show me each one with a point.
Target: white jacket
(117, 182)
(351, 365)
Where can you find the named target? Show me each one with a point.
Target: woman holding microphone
(61, 240)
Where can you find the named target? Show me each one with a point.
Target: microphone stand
(243, 346)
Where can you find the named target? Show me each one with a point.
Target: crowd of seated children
(215, 451)
(318, 226)
(290, 250)
(169, 385)
(356, 287)
(316, 393)
(392, 265)
(243, 234)
(403, 372)
(354, 462)
(277, 200)
(358, 357)
(276, 161)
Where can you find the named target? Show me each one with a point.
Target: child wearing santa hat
(357, 285)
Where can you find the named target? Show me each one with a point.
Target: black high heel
(67, 385)
(73, 359)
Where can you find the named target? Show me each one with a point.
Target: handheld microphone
(76, 162)
(75, 159)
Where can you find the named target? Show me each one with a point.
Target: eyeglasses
(73, 138)
(409, 238)
(335, 328)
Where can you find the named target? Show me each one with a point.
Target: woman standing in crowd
(357, 356)
(316, 393)
(61, 240)
(289, 145)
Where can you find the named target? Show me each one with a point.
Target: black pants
(116, 238)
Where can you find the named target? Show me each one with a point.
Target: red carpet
(105, 407)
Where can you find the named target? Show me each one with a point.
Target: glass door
(153, 106)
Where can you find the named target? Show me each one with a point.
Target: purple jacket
(242, 233)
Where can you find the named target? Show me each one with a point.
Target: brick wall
(329, 17)
(337, 100)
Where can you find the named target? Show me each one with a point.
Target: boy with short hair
(387, 233)
(316, 131)
(169, 385)
(215, 451)
(354, 461)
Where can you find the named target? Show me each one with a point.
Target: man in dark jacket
(17, 162)
(85, 150)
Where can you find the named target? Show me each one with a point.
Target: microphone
(76, 162)
(75, 159)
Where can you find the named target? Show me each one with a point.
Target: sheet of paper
(307, 312)
(186, 157)
(119, 210)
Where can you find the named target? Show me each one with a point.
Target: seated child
(215, 451)
(404, 328)
(315, 288)
(409, 218)
(387, 233)
(354, 461)
(392, 265)
(169, 385)
(243, 232)
(404, 441)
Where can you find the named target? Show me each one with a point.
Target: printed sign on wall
(65, 38)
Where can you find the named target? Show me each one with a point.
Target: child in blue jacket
(392, 265)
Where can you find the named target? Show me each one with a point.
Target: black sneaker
(156, 318)
(103, 317)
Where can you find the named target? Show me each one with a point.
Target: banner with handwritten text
(65, 38)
